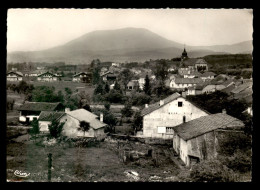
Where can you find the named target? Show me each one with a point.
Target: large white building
(160, 118)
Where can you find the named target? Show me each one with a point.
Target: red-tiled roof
(205, 124)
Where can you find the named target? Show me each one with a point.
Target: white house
(72, 121)
(14, 76)
(49, 77)
(82, 77)
(182, 83)
(197, 140)
(160, 118)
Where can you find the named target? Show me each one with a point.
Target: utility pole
(49, 166)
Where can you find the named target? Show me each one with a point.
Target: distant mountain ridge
(127, 44)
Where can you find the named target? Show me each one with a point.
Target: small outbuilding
(197, 140)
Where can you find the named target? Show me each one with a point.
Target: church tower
(184, 54)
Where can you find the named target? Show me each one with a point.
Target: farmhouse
(82, 77)
(133, 85)
(197, 140)
(30, 110)
(72, 121)
(46, 118)
(194, 90)
(201, 65)
(182, 83)
(109, 76)
(14, 76)
(160, 118)
(49, 77)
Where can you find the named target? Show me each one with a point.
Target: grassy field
(100, 163)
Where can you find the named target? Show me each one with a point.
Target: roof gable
(47, 73)
(50, 115)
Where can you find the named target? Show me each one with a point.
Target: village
(159, 120)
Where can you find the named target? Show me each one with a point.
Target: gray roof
(78, 74)
(16, 72)
(47, 73)
(208, 74)
(50, 115)
(205, 124)
(39, 106)
(188, 81)
(156, 105)
(242, 87)
(84, 115)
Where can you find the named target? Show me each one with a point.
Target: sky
(38, 29)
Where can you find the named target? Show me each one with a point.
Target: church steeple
(184, 54)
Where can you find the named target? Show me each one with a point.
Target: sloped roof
(16, 72)
(50, 115)
(106, 73)
(47, 73)
(86, 73)
(244, 93)
(188, 80)
(242, 87)
(228, 82)
(39, 106)
(84, 115)
(132, 83)
(205, 124)
(201, 61)
(156, 105)
(208, 74)
(190, 61)
(228, 89)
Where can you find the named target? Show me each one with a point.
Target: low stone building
(197, 140)
(160, 118)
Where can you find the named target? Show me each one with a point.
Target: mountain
(127, 44)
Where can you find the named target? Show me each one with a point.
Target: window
(169, 130)
(161, 130)
(179, 104)
(184, 119)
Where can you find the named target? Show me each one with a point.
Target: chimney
(146, 105)
(67, 110)
(224, 111)
(161, 102)
(101, 117)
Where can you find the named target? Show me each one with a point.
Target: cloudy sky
(37, 29)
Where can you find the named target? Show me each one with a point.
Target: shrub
(211, 171)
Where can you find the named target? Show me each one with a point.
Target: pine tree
(147, 86)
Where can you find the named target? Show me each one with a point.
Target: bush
(211, 171)
(55, 128)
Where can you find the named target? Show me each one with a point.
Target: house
(160, 118)
(46, 117)
(141, 82)
(228, 89)
(210, 88)
(30, 110)
(47, 76)
(108, 76)
(191, 74)
(201, 65)
(85, 77)
(14, 76)
(207, 75)
(103, 70)
(182, 83)
(194, 90)
(197, 139)
(133, 85)
(72, 121)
